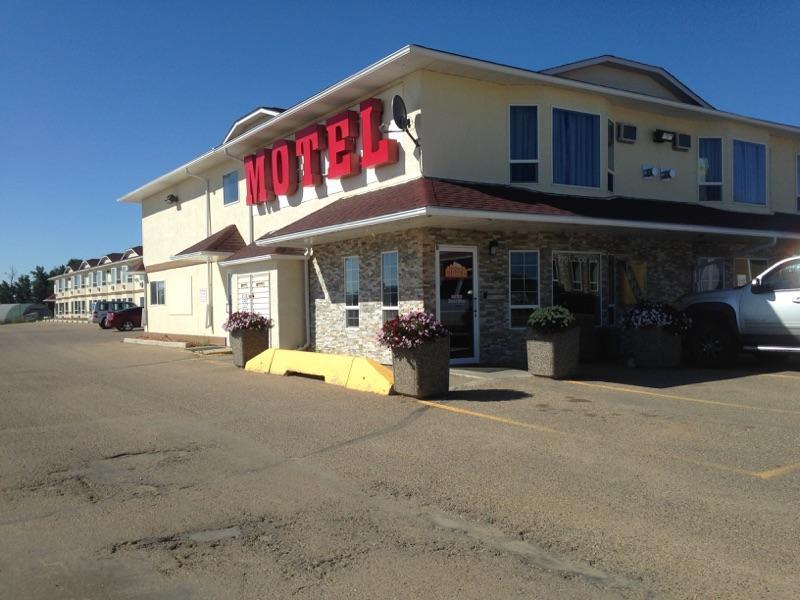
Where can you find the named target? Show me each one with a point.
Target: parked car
(103, 307)
(762, 316)
(125, 320)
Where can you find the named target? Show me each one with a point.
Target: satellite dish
(399, 112)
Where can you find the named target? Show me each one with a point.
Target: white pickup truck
(762, 316)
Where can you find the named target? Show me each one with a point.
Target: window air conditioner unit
(682, 141)
(626, 133)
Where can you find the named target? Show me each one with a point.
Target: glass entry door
(457, 300)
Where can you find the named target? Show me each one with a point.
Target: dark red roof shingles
(442, 193)
(227, 239)
(254, 251)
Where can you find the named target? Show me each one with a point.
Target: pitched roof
(659, 74)
(137, 267)
(113, 256)
(252, 251)
(440, 197)
(227, 240)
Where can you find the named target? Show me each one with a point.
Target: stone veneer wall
(328, 330)
(670, 266)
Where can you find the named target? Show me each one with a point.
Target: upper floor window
(576, 148)
(709, 169)
(351, 291)
(749, 172)
(230, 187)
(390, 295)
(124, 274)
(524, 144)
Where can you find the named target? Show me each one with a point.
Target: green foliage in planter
(551, 319)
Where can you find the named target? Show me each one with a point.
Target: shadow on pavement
(487, 395)
(745, 366)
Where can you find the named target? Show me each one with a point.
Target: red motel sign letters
(273, 171)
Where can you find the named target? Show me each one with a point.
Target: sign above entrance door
(272, 172)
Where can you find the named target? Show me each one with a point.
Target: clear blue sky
(97, 98)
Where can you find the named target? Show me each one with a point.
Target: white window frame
(123, 274)
(114, 275)
(348, 307)
(709, 260)
(599, 185)
(238, 194)
(538, 146)
(766, 173)
(721, 183)
(530, 307)
(384, 307)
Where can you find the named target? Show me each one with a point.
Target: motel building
(117, 276)
(591, 185)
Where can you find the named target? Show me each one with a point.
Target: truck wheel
(127, 326)
(712, 344)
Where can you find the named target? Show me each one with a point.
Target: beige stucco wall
(466, 137)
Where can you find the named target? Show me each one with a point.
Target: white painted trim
(599, 116)
(476, 317)
(538, 285)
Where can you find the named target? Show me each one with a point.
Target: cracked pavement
(148, 473)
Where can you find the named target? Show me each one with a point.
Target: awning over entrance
(255, 253)
(435, 202)
(220, 245)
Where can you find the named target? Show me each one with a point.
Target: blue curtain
(524, 133)
(576, 148)
(749, 172)
(711, 150)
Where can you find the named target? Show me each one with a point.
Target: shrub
(551, 319)
(247, 320)
(657, 314)
(411, 330)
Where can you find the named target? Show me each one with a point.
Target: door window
(457, 301)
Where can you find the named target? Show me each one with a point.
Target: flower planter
(247, 344)
(655, 347)
(553, 355)
(424, 371)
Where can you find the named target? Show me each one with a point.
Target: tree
(6, 293)
(22, 289)
(41, 288)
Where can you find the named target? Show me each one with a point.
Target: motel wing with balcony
(593, 185)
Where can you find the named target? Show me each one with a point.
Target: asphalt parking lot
(140, 472)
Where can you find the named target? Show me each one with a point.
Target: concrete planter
(422, 372)
(655, 347)
(246, 344)
(554, 355)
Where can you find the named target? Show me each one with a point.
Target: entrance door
(457, 300)
(254, 293)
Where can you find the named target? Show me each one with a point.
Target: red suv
(125, 320)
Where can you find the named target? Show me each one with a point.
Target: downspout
(210, 283)
(307, 293)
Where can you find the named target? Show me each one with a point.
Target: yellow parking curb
(352, 372)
